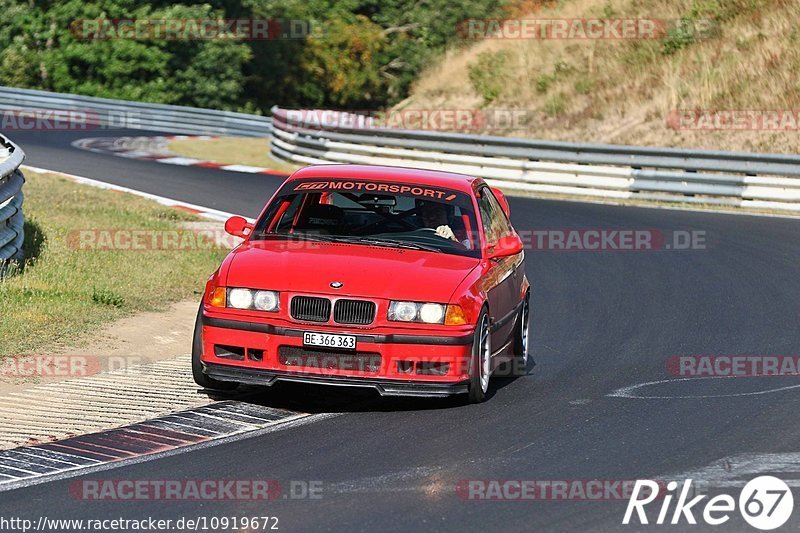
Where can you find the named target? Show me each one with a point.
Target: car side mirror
(238, 227)
(506, 246)
(501, 199)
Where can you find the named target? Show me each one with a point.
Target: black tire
(481, 347)
(519, 366)
(197, 368)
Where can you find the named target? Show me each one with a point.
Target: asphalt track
(601, 321)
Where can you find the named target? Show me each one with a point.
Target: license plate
(326, 340)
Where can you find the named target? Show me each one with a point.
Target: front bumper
(385, 387)
(398, 362)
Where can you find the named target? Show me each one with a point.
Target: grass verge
(231, 151)
(63, 292)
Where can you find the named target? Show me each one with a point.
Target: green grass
(64, 293)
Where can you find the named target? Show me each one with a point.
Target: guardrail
(11, 218)
(765, 181)
(108, 113)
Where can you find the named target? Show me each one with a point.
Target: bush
(678, 36)
(555, 105)
(107, 297)
(358, 53)
(584, 86)
(543, 83)
(487, 75)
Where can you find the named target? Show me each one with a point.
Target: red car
(408, 281)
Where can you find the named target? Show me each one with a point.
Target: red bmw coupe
(411, 282)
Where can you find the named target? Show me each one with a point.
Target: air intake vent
(354, 312)
(309, 357)
(311, 309)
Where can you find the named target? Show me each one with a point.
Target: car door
(501, 279)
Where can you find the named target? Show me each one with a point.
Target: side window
(495, 223)
(485, 209)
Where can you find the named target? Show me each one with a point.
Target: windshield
(373, 213)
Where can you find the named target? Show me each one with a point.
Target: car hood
(365, 271)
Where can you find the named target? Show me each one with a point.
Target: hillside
(629, 91)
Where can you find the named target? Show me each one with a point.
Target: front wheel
(522, 339)
(197, 367)
(481, 367)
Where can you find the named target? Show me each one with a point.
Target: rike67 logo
(765, 503)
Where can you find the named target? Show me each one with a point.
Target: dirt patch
(136, 340)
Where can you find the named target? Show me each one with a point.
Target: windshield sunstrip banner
(376, 187)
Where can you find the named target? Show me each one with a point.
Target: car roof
(415, 176)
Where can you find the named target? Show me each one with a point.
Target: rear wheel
(197, 367)
(481, 367)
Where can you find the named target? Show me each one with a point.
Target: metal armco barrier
(765, 181)
(22, 107)
(11, 218)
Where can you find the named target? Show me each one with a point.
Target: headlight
(428, 313)
(431, 313)
(403, 311)
(266, 301)
(250, 299)
(240, 298)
